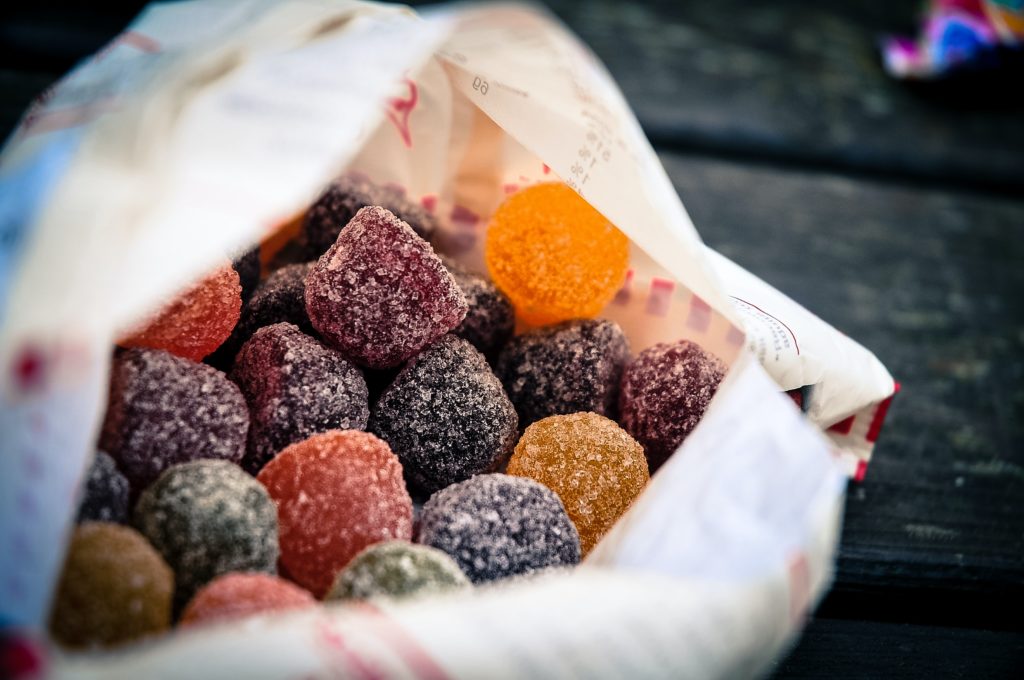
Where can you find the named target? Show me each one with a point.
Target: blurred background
(892, 208)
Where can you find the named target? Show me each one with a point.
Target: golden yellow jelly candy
(553, 255)
(593, 465)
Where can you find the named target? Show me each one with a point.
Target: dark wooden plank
(800, 81)
(930, 281)
(850, 650)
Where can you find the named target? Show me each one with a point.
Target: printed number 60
(481, 85)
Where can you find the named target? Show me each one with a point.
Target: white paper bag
(209, 124)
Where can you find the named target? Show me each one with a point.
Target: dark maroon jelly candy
(295, 387)
(446, 416)
(340, 202)
(164, 410)
(665, 391)
(567, 368)
(380, 294)
(491, 319)
(247, 264)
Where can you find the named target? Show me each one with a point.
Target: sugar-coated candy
(339, 203)
(281, 297)
(665, 391)
(197, 321)
(114, 588)
(380, 294)
(397, 570)
(566, 368)
(593, 465)
(555, 256)
(208, 518)
(295, 387)
(495, 526)
(106, 493)
(163, 410)
(237, 595)
(491, 319)
(247, 264)
(336, 493)
(446, 416)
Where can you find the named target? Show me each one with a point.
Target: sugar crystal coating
(566, 368)
(208, 518)
(593, 465)
(398, 570)
(281, 297)
(336, 493)
(105, 492)
(491, 319)
(446, 416)
(237, 595)
(163, 410)
(495, 526)
(665, 392)
(295, 387)
(197, 321)
(339, 203)
(554, 255)
(114, 588)
(247, 264)
(380, 294)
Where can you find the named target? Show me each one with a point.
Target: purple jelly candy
(491, 319)
(295, 387)
(446, 416)
(567, 368)
(164, 410)
(247, 265)
(665, 391)
(496, 526)
(339, 203)
(105, 493)
(281, 297)
(380, 294)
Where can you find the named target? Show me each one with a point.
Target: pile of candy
(283, 470)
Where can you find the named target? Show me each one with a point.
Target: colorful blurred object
(957, 36)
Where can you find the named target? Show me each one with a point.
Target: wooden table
(896, 214)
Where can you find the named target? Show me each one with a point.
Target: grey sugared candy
(496, 526)
(207, 518)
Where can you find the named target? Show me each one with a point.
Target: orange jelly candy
(197, 321)
(593, 465)
(553, 255)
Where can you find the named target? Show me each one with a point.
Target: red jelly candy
(240, 594)
(665, 391)
(380, 294)
(336, 493)
(197, 321)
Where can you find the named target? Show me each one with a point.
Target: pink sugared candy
(336, 493)
(665, 391)
(240, 594)
(380, 294)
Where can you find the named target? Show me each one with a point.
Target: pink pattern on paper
(699, 318)
(29, 368)
(346, 660)
(399, 110)
(660, 298)
(429, 202)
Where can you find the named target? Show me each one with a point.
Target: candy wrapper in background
(207, 125)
